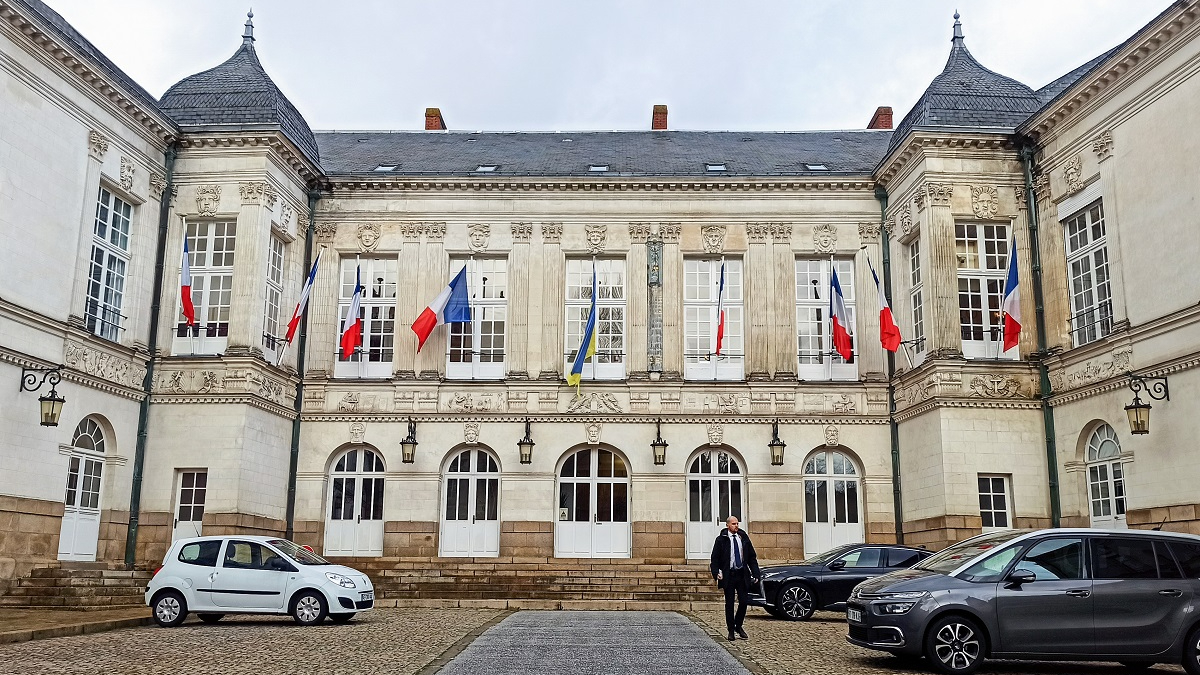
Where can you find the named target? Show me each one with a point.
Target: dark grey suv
(1067, 594)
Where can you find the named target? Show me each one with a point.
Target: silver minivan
(1061, 594)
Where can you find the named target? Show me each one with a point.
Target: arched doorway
(470, 517)
(354, 518)
(593, 505)
(1106, 478)
(832, 502)
(716, 490)
(81, 503)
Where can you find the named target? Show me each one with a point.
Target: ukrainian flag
(587, 347)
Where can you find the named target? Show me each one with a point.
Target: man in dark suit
(735, 567)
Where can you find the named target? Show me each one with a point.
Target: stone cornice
(924, 142)
(52, 49)
(603, 419)
(342, 184)
(934, 404)
(268, 138)
(1137, 50)
(1119, 380)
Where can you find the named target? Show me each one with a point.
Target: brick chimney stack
(658, 121)
(434, 120)
(882, 119)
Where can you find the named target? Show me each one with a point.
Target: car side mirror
(1018, 577)
(837, 565)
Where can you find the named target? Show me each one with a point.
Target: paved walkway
(19, 625)
(583, 643)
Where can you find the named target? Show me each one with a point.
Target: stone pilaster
(866, 300)
(553, 280)
(431, 362)
(637, 338)
(759, 299)
(654, 305)
(943, 337)
(408, 304)
(517, 347)
(1103, 147)
(323, 304)
(783, 315)
(672, 301)
(97, 148)
(249, 270)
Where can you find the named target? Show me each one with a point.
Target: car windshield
(949, 559)
(822, 558)
(298, 553)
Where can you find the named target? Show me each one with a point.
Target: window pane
(1054, 559)
(1123, 558)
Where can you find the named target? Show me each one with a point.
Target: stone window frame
(824, 363)
(377, 309)
(213, 303)
(997, 485)
(983, 281)
(273, 296)
(486, 306)
(704, 365)
(108, 264)
(607, 363)
(1085, 249)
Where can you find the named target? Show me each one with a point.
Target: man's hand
(720, 575)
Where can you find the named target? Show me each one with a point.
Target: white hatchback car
(215, 576)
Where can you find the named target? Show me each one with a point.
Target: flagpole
(829, 321)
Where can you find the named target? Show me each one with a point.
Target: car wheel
(797, 602)
(341, 618)
(309, 609)
(170, 609)
(211, 618)
(954, 645)
(1191, 653)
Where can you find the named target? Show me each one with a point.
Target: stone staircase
(77, 586)
(549, 579)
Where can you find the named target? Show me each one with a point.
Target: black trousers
(736, 583)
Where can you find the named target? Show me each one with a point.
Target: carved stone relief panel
(552, 233)
(522, 232)
(985, 202)
(714, 238)
(1093, 371)
(477, 237)
(368, 237)
(825, 239)
(594, 402)
(1103, 146)
(326, 230)
(474, 402)
(597, 237)
(97, 144)
(127, 171)
(208, 199)
(1073, 174)
(103, 365)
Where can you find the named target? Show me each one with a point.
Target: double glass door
(471, 519)
(354, 526)
(715, 492)
(832, 502)
(593, 506)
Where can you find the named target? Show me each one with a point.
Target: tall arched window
(1106, 478)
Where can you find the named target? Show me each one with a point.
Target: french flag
(301, 306)
(721, 309)
(352, 322)
(1011, 307)
(889, 332)
(842, 342)
(450, 306)
(185, 287)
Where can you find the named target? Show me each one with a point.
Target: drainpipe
(893, 429)
(294, 459)
(139, 455)
(1035, 259)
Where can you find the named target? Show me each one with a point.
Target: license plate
(367, 595)
(853, 615)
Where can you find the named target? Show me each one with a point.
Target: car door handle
(1171, 592)
(1079, 593)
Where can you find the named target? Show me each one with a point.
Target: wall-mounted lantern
(1139, 412)
(525, 445)
(776, 445)
(659, 445)
(52, 403)
(408, 446)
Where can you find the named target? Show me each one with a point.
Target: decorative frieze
(103, 365)
(713, 237)
(995, 386)
(1103, 146)
(845, 404)
(208, 199)
(466, 402)
(552, 233)
(358, 402)
(221, 382)
(639, 232)
(639, 402)
(97, 144)
(522, 232)
(368, 237)
(211, 382)
(985, 201)
(477, 237)
(594, 402)
(1073, 174)
(518, 401)
(127, 170)
(824, 239)
(596, 237)
(1093, 371)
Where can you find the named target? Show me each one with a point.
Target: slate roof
(53, 21)
(238, 94)
(626, 153)
(966, 94)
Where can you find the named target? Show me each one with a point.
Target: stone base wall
(1022, 522)
(777, 540)
(881, 532)
(941, 531)
(410, 538)
(658, 540)
(114, 530)
(312, 532)
(28, 534)
(154, 537)
(526, 538)
(1178, 518)
(242, 523)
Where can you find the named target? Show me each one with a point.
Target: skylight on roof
(598, 168)
(386, 167)
(711, 166)
(486, 168)
(816, 167)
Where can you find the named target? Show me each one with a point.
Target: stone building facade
(1093, 169)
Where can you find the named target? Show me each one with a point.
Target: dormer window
(816, 167)
(713, 167)
(486, 168)
(386, 167)
(598, 168)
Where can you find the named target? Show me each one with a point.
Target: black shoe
(741, 633)
(731, 637)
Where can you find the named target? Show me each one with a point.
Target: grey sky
(571, 64)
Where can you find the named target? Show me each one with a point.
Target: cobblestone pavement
(594, 643)
(393, 641)
(819, 646)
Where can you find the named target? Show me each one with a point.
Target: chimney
(658, 121)
(434, 121)
(882, 119)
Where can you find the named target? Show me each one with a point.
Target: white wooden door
(471, 519)
(189, 504)
(593, 506)
(81, 508)
(354, 522)
(832, 502)
(715, 492)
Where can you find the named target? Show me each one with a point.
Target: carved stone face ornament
(368, 236)
(477, 236)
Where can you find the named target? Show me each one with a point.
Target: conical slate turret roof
(968, 95)
(238, 94)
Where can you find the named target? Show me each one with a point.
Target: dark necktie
(737, 553)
